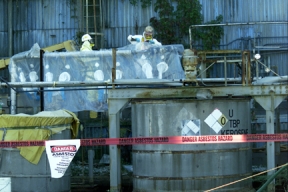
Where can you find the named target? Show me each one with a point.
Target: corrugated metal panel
(123, 19)
(233, 11)
(245, 10)
(242, 36)
(3, 29)
(49, 22)
(46, 22)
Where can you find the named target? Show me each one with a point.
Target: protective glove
(135, 39)
(151, 42)
(94, 48)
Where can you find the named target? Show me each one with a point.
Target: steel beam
(191, 92)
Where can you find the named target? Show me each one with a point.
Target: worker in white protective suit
(88, 44)
(146, 37)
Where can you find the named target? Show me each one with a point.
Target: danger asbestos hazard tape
(163, 140)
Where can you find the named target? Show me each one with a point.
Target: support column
(115, 105)
(269, 103)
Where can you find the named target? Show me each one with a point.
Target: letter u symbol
(231, 115)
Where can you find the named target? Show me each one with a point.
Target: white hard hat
(149, 29)
(86, 37)
(148, 33)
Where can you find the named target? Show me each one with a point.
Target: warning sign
(191, 126)
(216, 120)
(60, 154)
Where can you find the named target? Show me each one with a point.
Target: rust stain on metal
(172, 93)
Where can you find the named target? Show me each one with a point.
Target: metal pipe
(41, 79)
(258, 38)
(58, 84)
(91, 154)
(95, 26)
(10, 29)
(248, 68)
(218, 52)
(87, 29)
(271, 178)
(55, 84)
(89, 53)
(114, 65)
(81, 15)
(102, 24)
(243, 67)
(190, 37)
(150, 82)
(232, 61)
(248, 23)
(229, 24)
(12, 92)
(225, 70)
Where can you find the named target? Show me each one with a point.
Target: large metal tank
(27, 177)
(190, 167)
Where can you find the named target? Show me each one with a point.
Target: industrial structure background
(249, 27)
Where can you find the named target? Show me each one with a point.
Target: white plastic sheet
(154, 62)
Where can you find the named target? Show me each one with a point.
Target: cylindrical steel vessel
(191, 167)
(27, 177)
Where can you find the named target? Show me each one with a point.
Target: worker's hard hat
(86, 37)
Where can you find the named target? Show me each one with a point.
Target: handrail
(271, 178)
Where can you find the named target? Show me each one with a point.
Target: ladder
(93, 21)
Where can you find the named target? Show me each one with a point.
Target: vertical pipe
(91, 154)
(41, 80)
(258, 43)
(87, 30)
(82, 151)
(269, 65)
(95, 27)
(246, 58)
(190, 35)
(243, 67)
(12, 92)
(225, 70)
(248, 68)
(114, 66)
(278, 130)
(81, 15)
(256, 63)
(10, 28)
(203, 67)
(102, 25)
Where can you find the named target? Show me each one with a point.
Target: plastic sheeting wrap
(24, 67)
(149, 62)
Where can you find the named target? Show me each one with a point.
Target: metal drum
(191, 167)
(27, 177)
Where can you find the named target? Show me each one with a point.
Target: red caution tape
(6, 144)
(163, 140)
